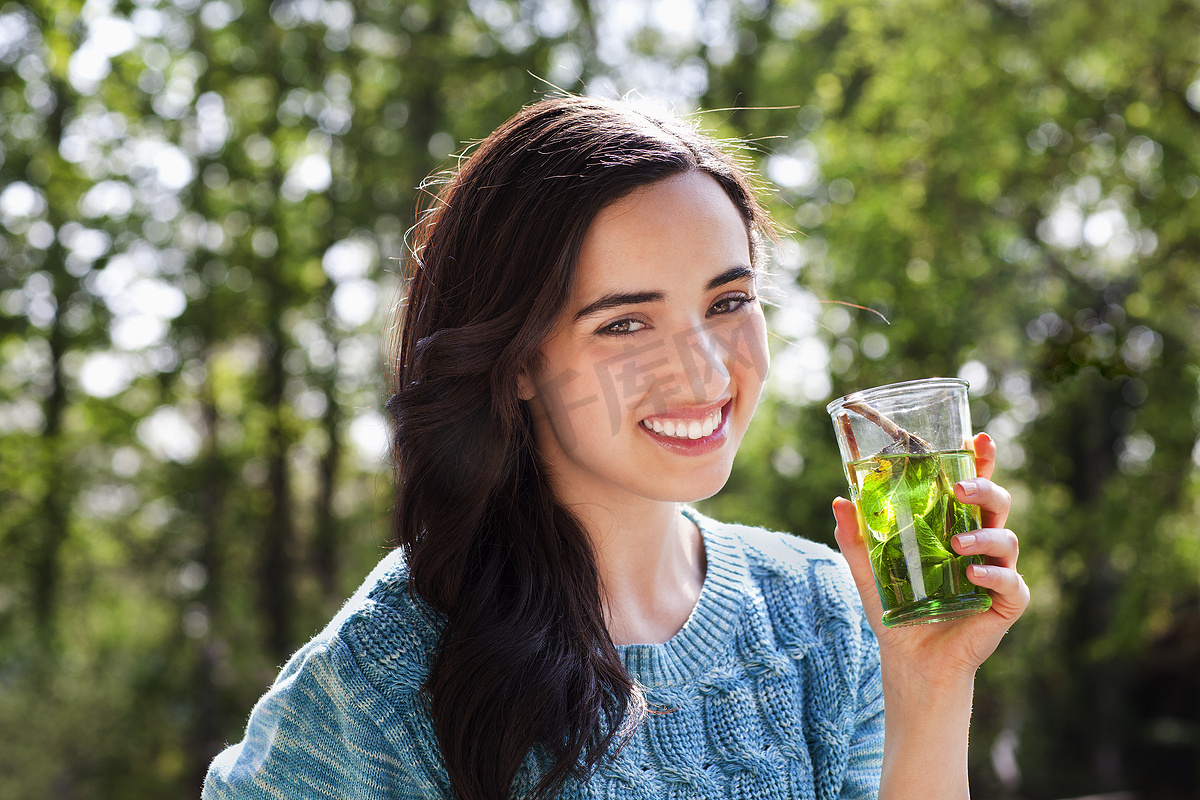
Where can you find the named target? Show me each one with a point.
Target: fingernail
(965, 541)
(979, 572)
(969, 487)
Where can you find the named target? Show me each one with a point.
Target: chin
(697, 488)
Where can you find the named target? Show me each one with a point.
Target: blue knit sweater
(773, 688)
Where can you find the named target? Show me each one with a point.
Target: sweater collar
(713, 623)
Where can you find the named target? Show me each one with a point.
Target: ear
(525, 388)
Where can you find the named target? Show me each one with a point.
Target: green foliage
(911, 481)
(909, 509)
(201, 208)
(1012, 185)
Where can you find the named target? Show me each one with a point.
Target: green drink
(908, 514)
(918, 437)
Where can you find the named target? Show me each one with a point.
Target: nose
(703, 361)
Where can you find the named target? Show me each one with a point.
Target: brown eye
(622, 326)
(730, 304)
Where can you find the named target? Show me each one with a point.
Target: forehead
(683, 221)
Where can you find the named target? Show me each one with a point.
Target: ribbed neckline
(696, 646)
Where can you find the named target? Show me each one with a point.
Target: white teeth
(694, 429)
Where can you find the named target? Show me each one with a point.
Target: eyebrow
(615, 299)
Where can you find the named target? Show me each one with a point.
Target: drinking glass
(904, 446)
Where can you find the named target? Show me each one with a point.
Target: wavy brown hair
(524, 661)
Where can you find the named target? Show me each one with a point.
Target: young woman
(580, 355)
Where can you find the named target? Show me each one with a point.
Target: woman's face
(650, 378)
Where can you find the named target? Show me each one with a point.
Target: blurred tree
(199, 205)
(1012, 184)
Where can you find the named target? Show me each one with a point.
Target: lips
(696, 431)
(685, 426)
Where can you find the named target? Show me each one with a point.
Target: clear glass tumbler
(904, 446)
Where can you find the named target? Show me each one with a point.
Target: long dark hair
(524, 659)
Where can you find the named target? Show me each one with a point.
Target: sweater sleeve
(322, 731)
(814, 605)
(866, 747)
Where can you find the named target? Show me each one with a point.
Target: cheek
(577, 399)
(757, 354)
(744, 344)
(644, 370)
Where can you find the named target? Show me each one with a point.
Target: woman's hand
(929, 670)
(955, 649)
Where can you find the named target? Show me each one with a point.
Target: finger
(993, 500)
(854, 550)
(985, 455)
(998, 545)
(1010, 594)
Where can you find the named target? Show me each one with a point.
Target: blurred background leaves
(202, 205)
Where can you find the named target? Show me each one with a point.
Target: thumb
(855, 552)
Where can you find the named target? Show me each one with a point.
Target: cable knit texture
(770, 690)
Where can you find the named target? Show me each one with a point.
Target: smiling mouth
(684, 428)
